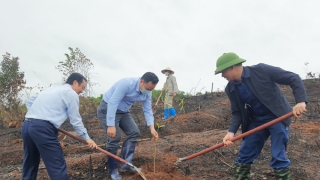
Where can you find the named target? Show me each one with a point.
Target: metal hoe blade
(140, 172)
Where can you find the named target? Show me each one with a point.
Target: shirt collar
(68, 85)
(245, 73)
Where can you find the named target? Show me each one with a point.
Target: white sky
(129, 38)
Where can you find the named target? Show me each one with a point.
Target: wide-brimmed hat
(167, 69)
(227, 60)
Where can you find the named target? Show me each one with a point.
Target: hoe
(105, 152)
(286, 116)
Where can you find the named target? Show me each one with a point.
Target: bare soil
(201, 123)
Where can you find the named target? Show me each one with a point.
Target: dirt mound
(192, 122)
(170, 158)
(195, 117)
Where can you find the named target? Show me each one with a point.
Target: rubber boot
(173, 112)
(113, 165)
(166, 114)
(241, 171)
(282, 174)
(127, 153)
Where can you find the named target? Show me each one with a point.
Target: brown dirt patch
(307, 127)
(170, 158)
(161, 171)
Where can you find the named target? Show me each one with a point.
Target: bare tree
(77, 62)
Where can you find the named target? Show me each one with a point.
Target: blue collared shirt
(55, 105)
(122, 95)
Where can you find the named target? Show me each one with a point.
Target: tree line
(13, 86)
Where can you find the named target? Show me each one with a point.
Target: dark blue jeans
(251, 146)
(40, 138)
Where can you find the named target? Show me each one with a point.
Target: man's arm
(174, 83)
(236, 119)
(72, 101)
(281, 76)
(235, 122)
(147, 110)
(284, 77)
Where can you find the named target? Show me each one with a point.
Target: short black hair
(75, 76)
(150, 76)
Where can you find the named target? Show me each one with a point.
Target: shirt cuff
(111, 123)
(85, 136)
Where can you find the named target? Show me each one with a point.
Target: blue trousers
(123, 121)
(40, 138)
(252, 145)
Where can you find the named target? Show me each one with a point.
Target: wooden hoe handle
(240, 136)
(98, 148)
(158, 98)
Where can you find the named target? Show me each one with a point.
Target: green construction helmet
(227, 60)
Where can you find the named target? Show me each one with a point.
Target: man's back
(52, 103)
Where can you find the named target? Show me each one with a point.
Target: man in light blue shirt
(46, 112)
(114, 115)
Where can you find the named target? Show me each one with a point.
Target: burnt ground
(201, 123)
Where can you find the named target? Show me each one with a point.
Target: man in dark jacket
(255, 100)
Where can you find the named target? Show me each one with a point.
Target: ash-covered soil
(201, 123)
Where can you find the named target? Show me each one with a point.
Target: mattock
(105, 152)
(279, 119)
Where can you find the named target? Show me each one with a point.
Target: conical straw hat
(167, 69)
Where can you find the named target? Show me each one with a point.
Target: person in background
(170, 88)
(114, 115)
(256, 99)
(46, 112)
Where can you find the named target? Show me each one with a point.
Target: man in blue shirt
(114, 115)
(46, 112)
(256, 99)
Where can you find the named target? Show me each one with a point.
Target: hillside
(201, 123)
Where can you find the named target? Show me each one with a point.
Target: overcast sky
(129, 38)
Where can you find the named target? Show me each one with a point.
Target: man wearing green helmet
(256, 99)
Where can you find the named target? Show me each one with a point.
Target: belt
(31, 119)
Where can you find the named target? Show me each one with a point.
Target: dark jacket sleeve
(236, 119)
(283, 77)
